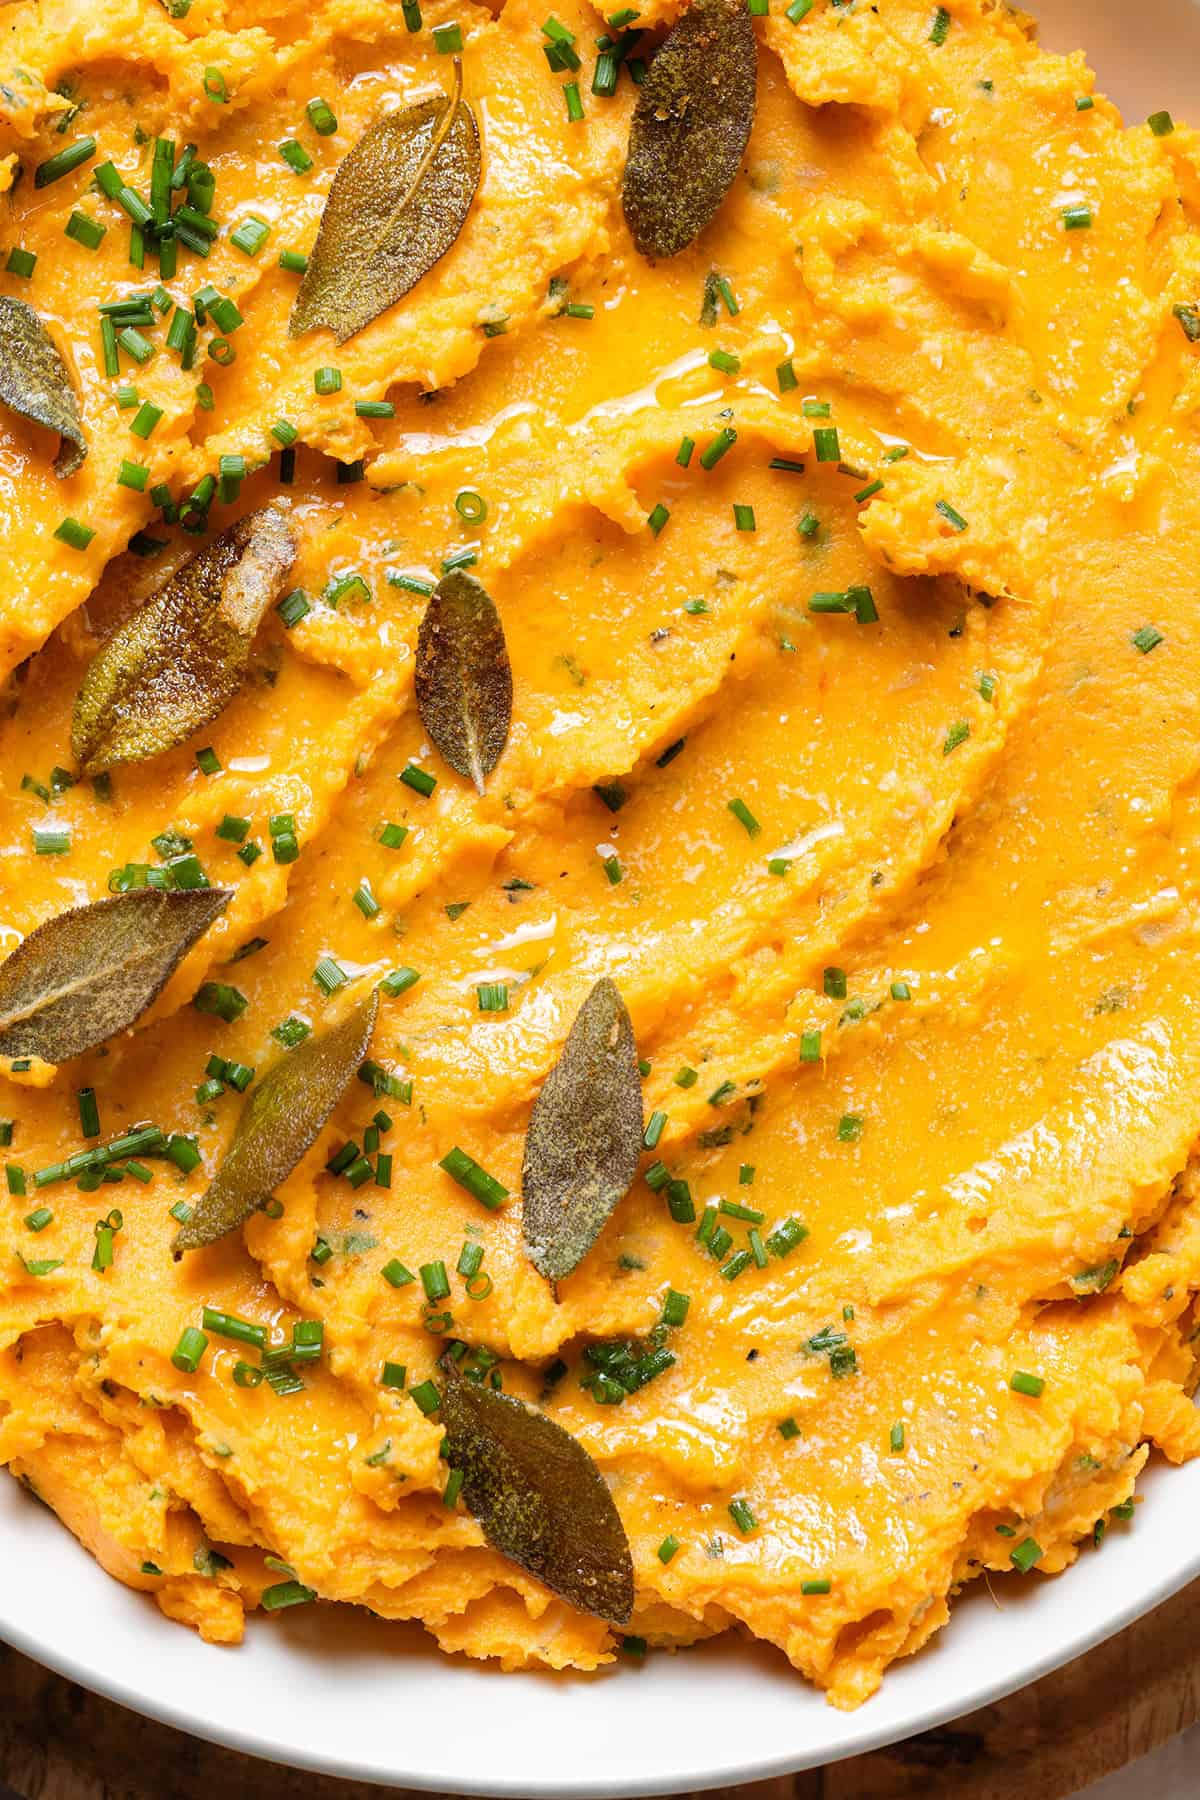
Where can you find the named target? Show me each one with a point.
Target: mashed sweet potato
(902, 895)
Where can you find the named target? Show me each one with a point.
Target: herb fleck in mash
(601, 826)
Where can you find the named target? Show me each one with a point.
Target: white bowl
(332, 1689)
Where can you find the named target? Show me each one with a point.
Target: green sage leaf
(585, 1136)
(179, 661)
(280, 1122)
(463, 678)
(691, 126)
(540, 1498)
(83, 976)
(35, 382)
(397, 204)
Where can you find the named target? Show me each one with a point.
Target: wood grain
(59, 1742)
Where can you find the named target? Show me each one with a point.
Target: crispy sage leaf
(691, 126)
(397, 204)
(35, 382)
(585, 1136)
(463, 677)
(539, 1496)
(83, 976)
(179, 661)
(279, 1123)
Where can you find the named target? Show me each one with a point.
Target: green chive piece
(71, 532)
(64, 162)
(469, 1175)
(1023, 1383)
(188, 1351)
(951, 515)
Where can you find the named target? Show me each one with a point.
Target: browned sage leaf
(584, 1138)
(35, 382)
(397, 204)
(80, 978)
(179, 661)
(279, 1123)
(463, 677)
(539, 1496)
(691, 126)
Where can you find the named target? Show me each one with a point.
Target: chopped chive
(675, 1308)
(744, 816)
(426, 1396)
(84, 230)
(399, 981)
(1025, 1555)
(1146, 639)
(251, 235)
(951, 515)
(940, 27)
(327, 380)
(668, 1548)
(809, 525)
(228, 1325)
(64, 162)
(133, 475)
(385, 409)
(711, 455)
(420, 780)
(286, 1593)
(188, 1351)
(51, 840)
(492, 996)
(574, 103)
(71, 532)
(743, 518)
(1076, 218)
(469, 1175)
(821, 1585)
(1161, 124)
(321, 117)
(658, 518)
(293, 607)
(896, 1439)
(214, 86)
(147, 418)
(743, 1517)
(901, 991)
(329, 975)
(39, 1218)
(654, 1130)
(1023, 1383)
(825, 443)
(89, 1112)
(724, 361)
(788, 1428)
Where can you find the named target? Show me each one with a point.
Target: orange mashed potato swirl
(903, 896)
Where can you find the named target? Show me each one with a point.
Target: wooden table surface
(59, 1742)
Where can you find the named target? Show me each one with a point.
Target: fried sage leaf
(279, 1123)
(539, 1496)
(585, 1136)
(397, 204)
(35, 382)
(80, 978)
(463, 677)
(691, 126)
(179, 661)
